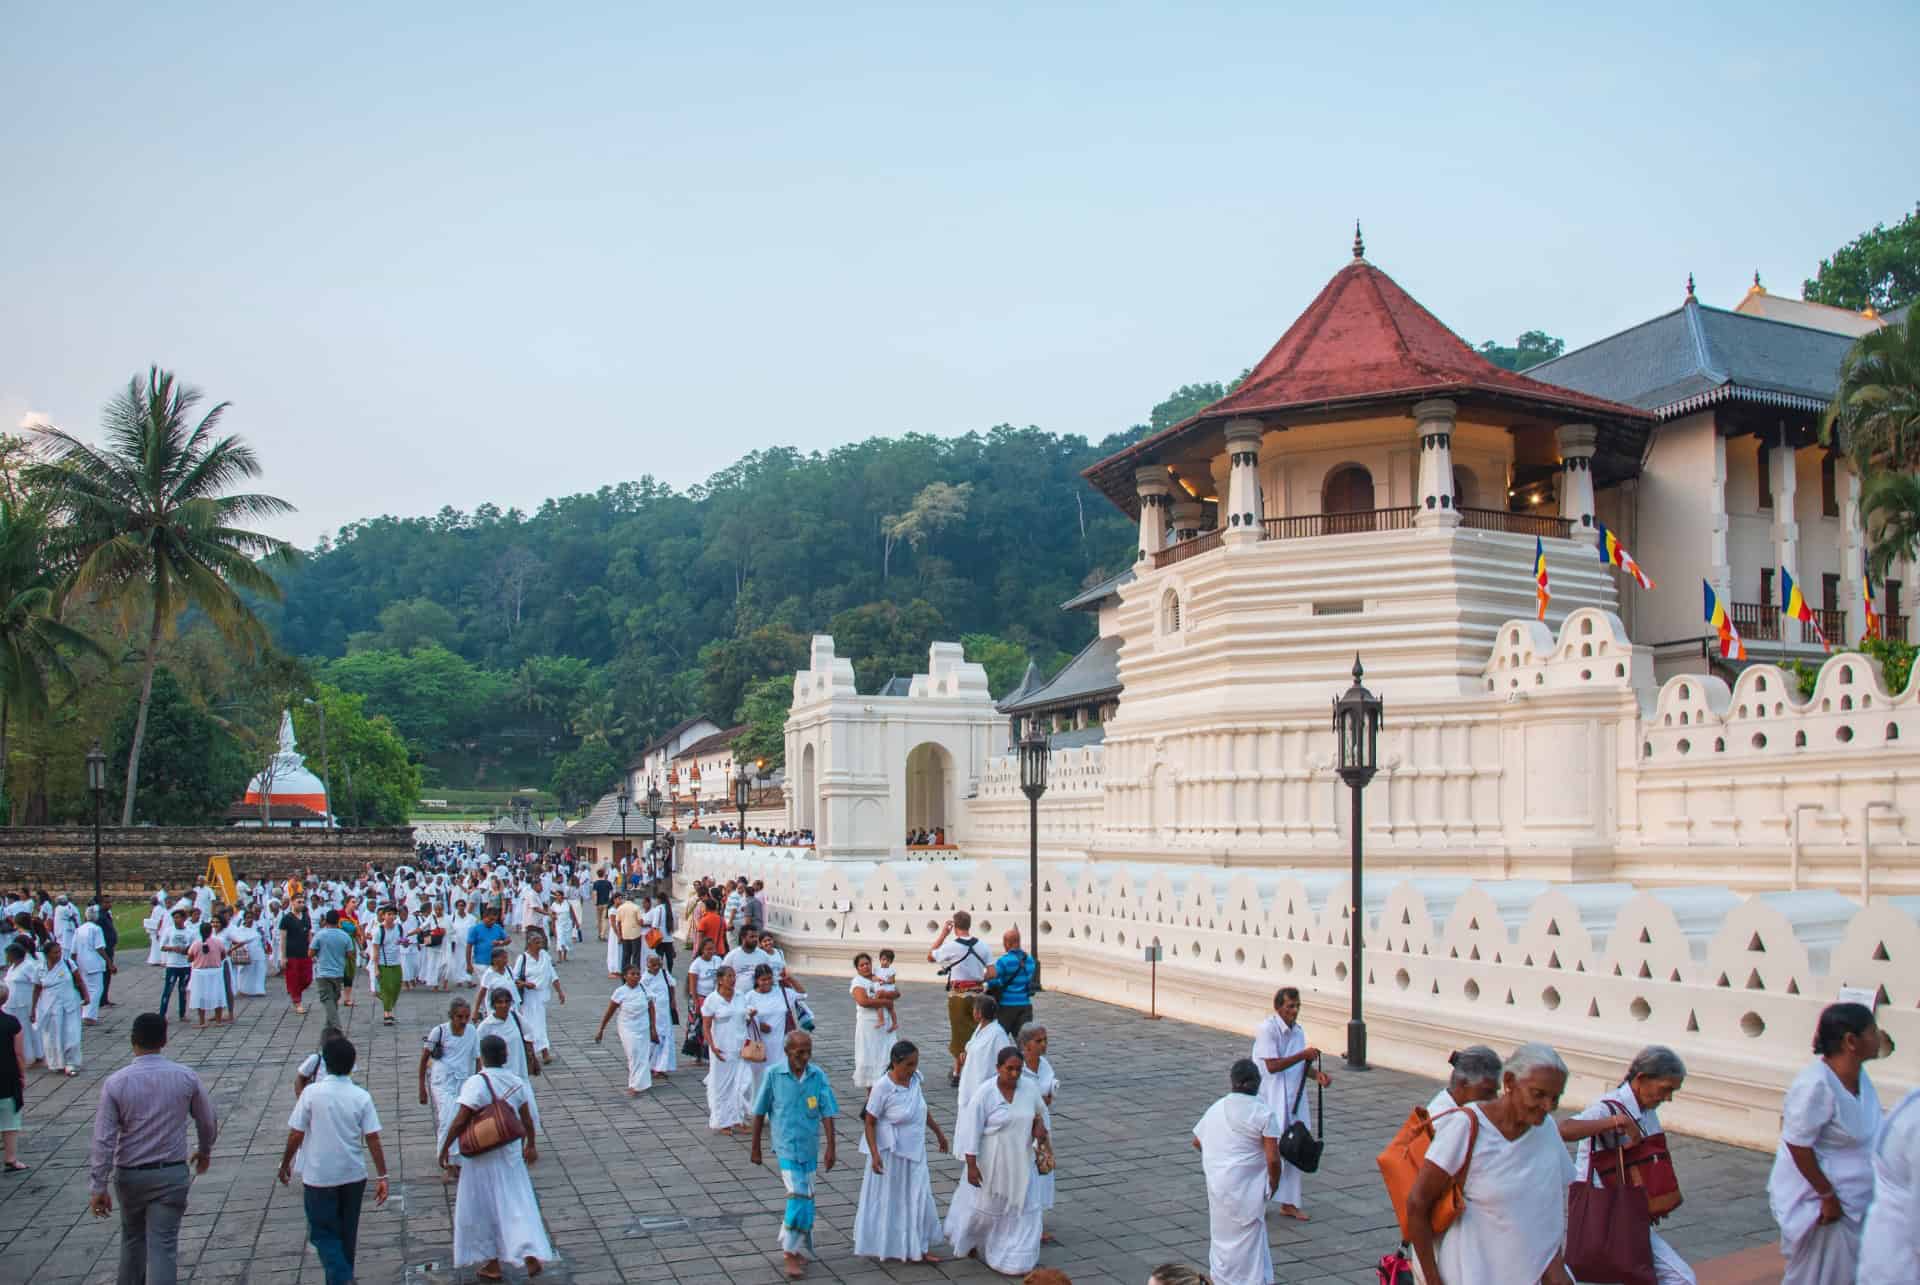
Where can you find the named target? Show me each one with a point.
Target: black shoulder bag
(1299, 1146)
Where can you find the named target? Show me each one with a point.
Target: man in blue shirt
(330, 948)
(800, 1102)
(483, 937)
(1012, 983)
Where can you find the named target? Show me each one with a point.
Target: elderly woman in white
(1629, 1114)
(1890, 1238)
(995, 1214)
(723, 1017)
(1281, 1051)
(1239, 1144)
(1822, 1178)
(1513, 1223)
(897, 1217)
(495, 1214)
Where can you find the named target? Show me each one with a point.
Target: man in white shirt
(90, 956)
(329, 1123)
(963, 960)
(746, 957)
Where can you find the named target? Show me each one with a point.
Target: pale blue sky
(445, 254)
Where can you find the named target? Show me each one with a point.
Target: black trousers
(633, 954)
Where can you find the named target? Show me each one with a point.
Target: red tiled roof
(1362, 340)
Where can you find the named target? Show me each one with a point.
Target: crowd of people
(760, 836)
(487, 933)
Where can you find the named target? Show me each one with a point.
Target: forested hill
(543, 648)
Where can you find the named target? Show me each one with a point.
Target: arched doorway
(1346, 497)
(805, 803)
(929, 787)
(1466, 489)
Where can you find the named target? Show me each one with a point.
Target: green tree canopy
(370, 777)
(1530, 349)
(431, 695)
(415, 622)
(729, 665)
(764, 710)
(1004, 660)
(1876, 410)
(887, 641)
(1880, 268)
(581, 776)
(197, 770)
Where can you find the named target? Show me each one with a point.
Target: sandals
(14, 1166)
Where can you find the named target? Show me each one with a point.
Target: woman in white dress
(1890, 1238)
(1513, 1223)
(659, 984)
(983, 1046)
(57, 1000)
(871, 1039)
(249, 954)
(1654, 1076)
(448, 1057)
(703, 972)
(23, 975)
(495, 1214)
(411, 953)
(433, 950)
(613, 934)
(494, 976)
(995, 1214)
(155, 921)
(639, 1026)
(723, 1020)
(455, 947)
(769, 1020)
(1281, 1051)
(1239, 1144)
(504, 1021)
(1034, 1065)
(1822, 1178)
(897, 1217)
(539, 983)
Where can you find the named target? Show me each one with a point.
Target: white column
(1241, 521)
(1786, 530)
(1853, 541)
(1576, 443)
(1151, 484)
(1433, 497)
(1186, 517)
(1719, 568)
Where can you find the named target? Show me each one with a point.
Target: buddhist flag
(1615, 554)
(1873, 617)
(1794, 604)
(1540, 578)
(1731, 647)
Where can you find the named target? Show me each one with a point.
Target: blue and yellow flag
(1731, 645)
(1794, 604)
(1615, 554)
(1540, 594)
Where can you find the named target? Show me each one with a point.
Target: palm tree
(1890, 509)
(1877, 408)
(34, 645)
(152, 528)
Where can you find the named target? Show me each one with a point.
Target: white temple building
(285, 793)
(1579, 832)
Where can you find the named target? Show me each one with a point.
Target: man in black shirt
(112, 934)
(296, 928)
(602, 898)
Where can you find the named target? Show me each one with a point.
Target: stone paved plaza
(639, 1191)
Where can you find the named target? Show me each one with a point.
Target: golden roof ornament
(1359, 246)
(1756, 287)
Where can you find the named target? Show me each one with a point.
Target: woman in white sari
(1822, 1178)
(723, 1020)
(495, 1214)
(871, 1038)
(897, 1217)
(1629, 1114)
(539, 983)
(1513, 1224)
(504, 1021)
(659, 984)
(249, 956)
(639, 1027)
(448, 1058)
(995, 1214)
(1036, 1067)
(155, 921)
(769, 1021)
(1890, 1238)
(1239, 1144)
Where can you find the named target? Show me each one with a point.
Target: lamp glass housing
(96, 768)
(1356, 730)
(1035, 749)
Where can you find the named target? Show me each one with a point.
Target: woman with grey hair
(1239, 1144)
(1513, 1220)
(1475, 1078)
(1627, 1115)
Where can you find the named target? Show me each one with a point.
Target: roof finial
(1690, 298)
(1359, 246)
(1757, 288)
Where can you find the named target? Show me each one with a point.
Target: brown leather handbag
(491, 1127)
(1647, 1164)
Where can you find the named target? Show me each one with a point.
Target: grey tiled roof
(1094, 672)
(1099, 593)
(605, 818)
(1696, 355)
(896, 686)
(1028, 681)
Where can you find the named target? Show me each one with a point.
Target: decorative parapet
(1599, 970)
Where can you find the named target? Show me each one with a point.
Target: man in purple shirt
(140, 1142)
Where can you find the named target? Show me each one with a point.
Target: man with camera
(963, 962)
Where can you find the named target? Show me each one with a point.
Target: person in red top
(712, 926)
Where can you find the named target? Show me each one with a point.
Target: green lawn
(127, 918)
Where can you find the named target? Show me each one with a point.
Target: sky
(442, 255)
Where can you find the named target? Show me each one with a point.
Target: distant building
(649, 767)
(285, 792)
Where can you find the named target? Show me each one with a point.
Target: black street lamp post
(97, 783)
(743, 795)
(1356, 733)
(653, 827)
(1035, 750)
(625, 800)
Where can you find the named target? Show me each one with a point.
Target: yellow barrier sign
(220, 875)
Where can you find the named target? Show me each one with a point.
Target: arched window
(1346, 497)
(1170, 613)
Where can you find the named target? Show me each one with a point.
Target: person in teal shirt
(799, 1101)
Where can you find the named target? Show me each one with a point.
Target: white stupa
(293, 794)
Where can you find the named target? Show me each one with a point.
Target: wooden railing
(1307, 525)
(1192, 548)
(1757, 620)
(1517, 523)
(1894, 628)
(1833, 624)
